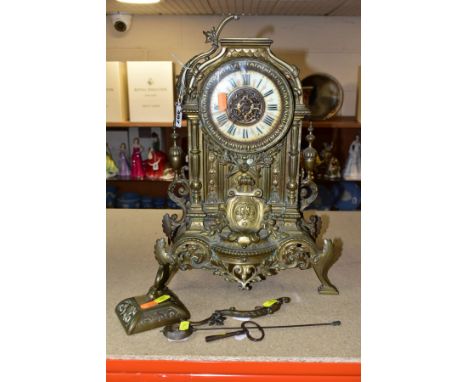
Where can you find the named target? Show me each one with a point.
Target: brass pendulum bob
(310, 157)
(175, 155)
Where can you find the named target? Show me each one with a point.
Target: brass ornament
(246, 106)
(323, 94)
(242, 203)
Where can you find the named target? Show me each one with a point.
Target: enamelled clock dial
(246, 105)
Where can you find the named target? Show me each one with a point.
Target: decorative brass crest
(245, 213)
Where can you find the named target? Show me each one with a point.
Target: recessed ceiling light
(139, 1)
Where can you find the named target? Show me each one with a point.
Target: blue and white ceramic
(159, 202)
(129, 200)
(348, 196)
(324, 200)
(146, 202)
(111, 193)
(171, 204)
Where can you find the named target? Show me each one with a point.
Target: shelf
(169, 181)
(137, 180)
(336, 181)
(143, 187)
(339, 122)
(127, 124)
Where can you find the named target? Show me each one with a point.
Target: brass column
(293, 163)
(195, 182)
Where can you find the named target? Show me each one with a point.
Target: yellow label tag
(162, 298)
(269, 303)
(184, 325)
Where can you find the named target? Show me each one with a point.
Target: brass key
(244, 330)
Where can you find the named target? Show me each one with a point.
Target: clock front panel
(246, 105)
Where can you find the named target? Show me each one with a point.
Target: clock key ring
(244, 330)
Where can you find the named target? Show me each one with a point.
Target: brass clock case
(243, 200)
(280, 127)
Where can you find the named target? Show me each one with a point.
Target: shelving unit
(341, 130)
(338, 122)
(127, 124)
(143, 187)
(146, 187)
(334, 123)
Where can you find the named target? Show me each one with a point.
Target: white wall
(314, 44)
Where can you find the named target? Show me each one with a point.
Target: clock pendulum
(243, 200)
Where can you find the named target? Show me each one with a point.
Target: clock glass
(245, 103)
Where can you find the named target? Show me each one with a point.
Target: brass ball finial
(310, 136)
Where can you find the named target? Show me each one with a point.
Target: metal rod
(334, 323)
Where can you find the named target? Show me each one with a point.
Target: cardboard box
(116, 92)
(151, 91)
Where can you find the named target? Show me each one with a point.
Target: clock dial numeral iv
(232, 130)
(268, 120)
(222, 119)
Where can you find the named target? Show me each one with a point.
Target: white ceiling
(247, 7)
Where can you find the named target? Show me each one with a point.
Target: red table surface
(245, 371)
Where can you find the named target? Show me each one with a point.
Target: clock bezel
(281, 126)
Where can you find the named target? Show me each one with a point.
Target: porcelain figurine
(137, 171)
(333, 170)
(323, 160)
(155, 164)
(152, 165)
(124, 168)
(352, 170)
(111, 168)
(168, 174)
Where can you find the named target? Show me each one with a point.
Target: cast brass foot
(328, 289)
(322, 263)
(159, 306)
(162, 277)
(167, 267)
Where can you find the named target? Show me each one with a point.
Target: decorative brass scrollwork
(178, 192)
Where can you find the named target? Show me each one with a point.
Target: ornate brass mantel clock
(242, 202)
